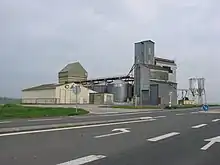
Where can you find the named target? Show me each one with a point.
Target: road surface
(160, 138)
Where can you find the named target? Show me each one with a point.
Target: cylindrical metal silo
(119, 90)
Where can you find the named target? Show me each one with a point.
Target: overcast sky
(39, 37)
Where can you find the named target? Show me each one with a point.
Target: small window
(149, 51)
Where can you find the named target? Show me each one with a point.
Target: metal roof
(164, 60)
(76, 66)
(144, 41)
(42, 87)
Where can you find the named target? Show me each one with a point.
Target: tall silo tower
(144, 55)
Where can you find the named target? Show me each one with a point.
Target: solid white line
(208, 145)
(121, 114)
(77, 127)
(32, 120)
(4, 122)
(163, 136)
(199, 126)
(179, 114)
(215, 120)
(159, 117)
(83, 160)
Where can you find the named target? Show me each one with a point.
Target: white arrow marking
(215, 120)
(211, 142)
(122, 130)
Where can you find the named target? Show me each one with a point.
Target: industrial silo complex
(151, 81)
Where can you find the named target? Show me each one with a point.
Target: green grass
(10, 111)
(133, 107)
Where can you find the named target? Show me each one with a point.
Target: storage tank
(119, 89)
(100, 88)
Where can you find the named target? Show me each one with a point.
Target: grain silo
(119, 89)
(72, 72)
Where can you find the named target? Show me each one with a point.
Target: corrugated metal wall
(164, 89)
(39, 97)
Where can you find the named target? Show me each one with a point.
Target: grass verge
(10, 111)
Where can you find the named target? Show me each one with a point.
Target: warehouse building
(60, 93)
(55, 94)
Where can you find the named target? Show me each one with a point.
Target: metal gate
(154, 94)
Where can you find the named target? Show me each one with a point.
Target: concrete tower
(144, 55)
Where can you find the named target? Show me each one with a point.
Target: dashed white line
(159, 117)
(199, 126)
(215, 120)
(4, 122)
(83, 160)
(53, 119)
(194, 112)
(163, 136)
(145, 118)
(179, 114)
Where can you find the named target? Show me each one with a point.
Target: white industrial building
(55, 94)
(62, 92)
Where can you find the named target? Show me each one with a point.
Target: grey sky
(39, 37)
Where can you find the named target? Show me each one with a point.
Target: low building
(55, 94)
(101, 98)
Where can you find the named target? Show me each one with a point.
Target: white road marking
(194, 112)
(199, 126)
(32, 120)
(215, 120)
(122, 114)
(4, 122)
(163, 136)
(83, 160)
(207, 145)
(122, 130)
(159, 117)
(77, 127)
(144, 118)
(179, 114)
(104, 114)
(211, 142)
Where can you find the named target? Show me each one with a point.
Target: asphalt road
(88, 118)
(168, 138)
